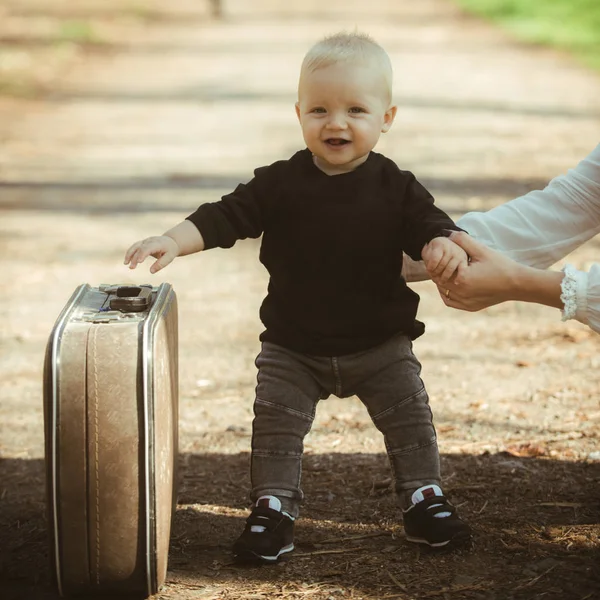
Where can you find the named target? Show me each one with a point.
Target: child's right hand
(161, 247)
(443, 258)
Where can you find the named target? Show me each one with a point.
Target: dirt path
(133, 141)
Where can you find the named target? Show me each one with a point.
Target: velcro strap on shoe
(435, 505)
(265, 517)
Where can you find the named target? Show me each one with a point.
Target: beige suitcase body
(110, 415)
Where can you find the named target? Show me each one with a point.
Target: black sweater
(333, 248)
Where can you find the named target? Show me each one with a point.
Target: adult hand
(488, 279)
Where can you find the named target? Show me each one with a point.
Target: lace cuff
(574, 293)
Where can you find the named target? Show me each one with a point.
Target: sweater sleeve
(239, 215)
(422, 220)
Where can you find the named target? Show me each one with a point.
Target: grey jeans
(385, 378)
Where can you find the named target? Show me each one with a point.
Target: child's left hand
(442, 258)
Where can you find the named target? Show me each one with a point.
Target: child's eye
(319, 110)
(357, 109)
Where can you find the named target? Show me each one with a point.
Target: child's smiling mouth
(336, 142)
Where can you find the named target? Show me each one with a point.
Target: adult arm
(492, 278)
(543, 226)
(535, 230)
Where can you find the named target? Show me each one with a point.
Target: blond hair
(345, 47)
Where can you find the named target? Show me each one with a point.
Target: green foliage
(573, 25)
(78, 32)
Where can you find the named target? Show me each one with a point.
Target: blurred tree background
(41, 39)
(572, 25)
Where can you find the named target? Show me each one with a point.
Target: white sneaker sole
(247, 554)
(458, 540)
(423, 541)
(284, 550)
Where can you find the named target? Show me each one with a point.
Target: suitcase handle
(130, 298)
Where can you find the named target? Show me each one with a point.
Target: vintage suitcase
(110, 415)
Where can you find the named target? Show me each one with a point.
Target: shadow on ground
(124, 195)
(536, 523)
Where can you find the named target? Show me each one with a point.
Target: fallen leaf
(527, 449)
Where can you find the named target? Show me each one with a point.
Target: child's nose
(337, 121)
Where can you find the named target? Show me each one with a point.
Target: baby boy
(335, 219)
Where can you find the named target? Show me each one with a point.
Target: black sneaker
(269, 533)
(433, 520)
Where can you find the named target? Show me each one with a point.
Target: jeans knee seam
(402, 402)
(287, 409)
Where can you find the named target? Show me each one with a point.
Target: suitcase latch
(128, 298)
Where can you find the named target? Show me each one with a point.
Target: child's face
(343, 109)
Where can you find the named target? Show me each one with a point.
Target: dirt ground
(132, 138)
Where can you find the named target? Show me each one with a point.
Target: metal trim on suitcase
(163, 297)
(58, 331)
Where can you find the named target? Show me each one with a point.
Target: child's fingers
(130, 252)
(449, 270)
(431, 266)
(426, 252)
(164, 260)
(433, 260)
(439, 269)
(441, 265)
(132, 259)
(433, 256)
(140, 251)
(139, 256)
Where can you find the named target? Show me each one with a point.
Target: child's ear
(298, 110)
(388, 118)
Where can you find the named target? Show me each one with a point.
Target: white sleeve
(543, 226)
(581, 296)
